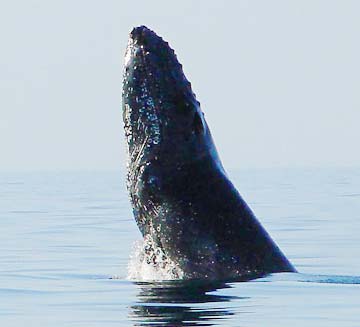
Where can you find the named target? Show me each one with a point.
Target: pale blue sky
(278, 81)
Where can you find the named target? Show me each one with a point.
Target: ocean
(67, 238)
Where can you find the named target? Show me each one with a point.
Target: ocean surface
(66, 239)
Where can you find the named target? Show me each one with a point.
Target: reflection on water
(179, 303)
(202, 303)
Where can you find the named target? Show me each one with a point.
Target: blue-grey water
(66, 238)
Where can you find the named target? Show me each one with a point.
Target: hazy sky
(278, 81)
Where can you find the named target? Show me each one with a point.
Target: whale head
(162, 117)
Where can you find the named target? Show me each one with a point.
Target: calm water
(65, 236)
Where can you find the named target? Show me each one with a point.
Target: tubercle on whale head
(161, 115)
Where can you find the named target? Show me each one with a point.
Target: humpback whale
(191, 216)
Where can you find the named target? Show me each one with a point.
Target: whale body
(187, 209)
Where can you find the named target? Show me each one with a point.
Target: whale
(193, 220)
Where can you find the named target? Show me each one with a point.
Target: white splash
(148, 263)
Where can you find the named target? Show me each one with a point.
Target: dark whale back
(182, 199)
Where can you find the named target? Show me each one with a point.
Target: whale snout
(140, 32)
(142, 35)
(147, 49)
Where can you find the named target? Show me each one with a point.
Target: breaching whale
(185, 206)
